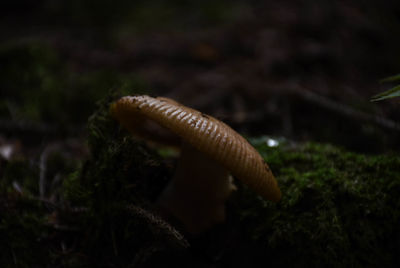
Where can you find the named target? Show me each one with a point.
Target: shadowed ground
(74, 193)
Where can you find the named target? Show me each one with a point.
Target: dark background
(304, 70)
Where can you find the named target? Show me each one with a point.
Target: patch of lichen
(338, 209)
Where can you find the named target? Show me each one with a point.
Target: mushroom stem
(197, 192)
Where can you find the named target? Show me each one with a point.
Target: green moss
(338, 209)
(118, 186)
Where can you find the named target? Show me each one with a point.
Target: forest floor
(299, 72)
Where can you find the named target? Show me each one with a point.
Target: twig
(160, 223)
(342, 108)
(42, 172)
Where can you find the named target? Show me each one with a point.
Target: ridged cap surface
(206, 133)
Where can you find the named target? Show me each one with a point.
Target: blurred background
(303, 70)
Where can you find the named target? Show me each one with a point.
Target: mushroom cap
(205, 133)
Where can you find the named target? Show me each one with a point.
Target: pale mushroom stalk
(197, 193)
(210, 151)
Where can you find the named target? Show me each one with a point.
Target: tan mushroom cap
(205, 133)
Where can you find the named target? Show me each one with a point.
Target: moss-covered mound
(339, 209)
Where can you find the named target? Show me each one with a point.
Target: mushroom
(210, 151)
